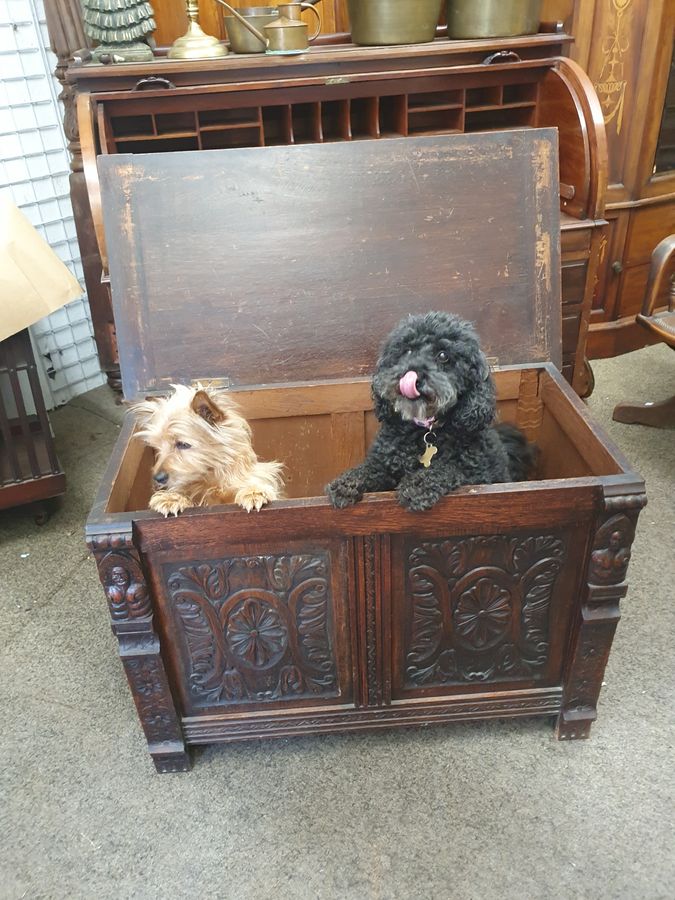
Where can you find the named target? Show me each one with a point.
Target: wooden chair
(662, 326)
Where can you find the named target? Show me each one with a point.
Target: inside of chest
(319, 430)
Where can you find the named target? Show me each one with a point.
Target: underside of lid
(288, 264)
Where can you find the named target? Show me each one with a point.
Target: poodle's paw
(416, 494)
(344, 491)
(251, 498)
(168, 503)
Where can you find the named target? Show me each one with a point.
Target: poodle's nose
(161, 477)
(408, 385)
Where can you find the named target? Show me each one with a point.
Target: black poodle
(435, 400)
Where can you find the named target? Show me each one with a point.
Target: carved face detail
(119, 577)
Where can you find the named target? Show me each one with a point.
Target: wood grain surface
(219, 267)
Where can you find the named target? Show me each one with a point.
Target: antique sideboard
(338, 92)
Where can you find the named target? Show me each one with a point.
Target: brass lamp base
(194, 44)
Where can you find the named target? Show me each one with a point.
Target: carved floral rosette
(255, 628)
(480, 608)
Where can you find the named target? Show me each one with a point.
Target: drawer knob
(617, 267)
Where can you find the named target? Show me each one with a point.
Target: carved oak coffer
(500, 601)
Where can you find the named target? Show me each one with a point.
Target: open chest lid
(289, 264)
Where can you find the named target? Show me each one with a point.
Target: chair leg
(656, 415)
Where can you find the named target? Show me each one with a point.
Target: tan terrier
(203, 453)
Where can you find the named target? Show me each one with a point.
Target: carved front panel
(255, 629)
(478, 609)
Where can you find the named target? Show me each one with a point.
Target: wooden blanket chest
(503, 599)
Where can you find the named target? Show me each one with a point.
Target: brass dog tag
(428, 455)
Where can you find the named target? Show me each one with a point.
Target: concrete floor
(497, 810)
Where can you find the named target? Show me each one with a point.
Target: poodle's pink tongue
(408, 385)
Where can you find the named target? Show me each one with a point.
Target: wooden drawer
(574, 282)
(574, 240)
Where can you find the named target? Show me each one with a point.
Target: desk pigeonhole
(500, 601)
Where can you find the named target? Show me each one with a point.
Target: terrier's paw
(169, 504)
(251, 498)
(344, 491)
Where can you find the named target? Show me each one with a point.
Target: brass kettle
(286, 35)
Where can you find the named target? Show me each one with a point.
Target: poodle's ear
(382, 407)
(477, 407)
(483, 367)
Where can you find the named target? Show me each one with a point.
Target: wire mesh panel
(34, 170)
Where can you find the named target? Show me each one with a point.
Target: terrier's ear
(204, 407)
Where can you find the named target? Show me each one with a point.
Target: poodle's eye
(442, 356)
(183, 445)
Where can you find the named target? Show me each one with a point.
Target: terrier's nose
(161, 477)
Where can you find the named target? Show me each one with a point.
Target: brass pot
(241, 39)
(380, 22)
(492, 18)
(286, 34)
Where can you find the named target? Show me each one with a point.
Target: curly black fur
(457, 391)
